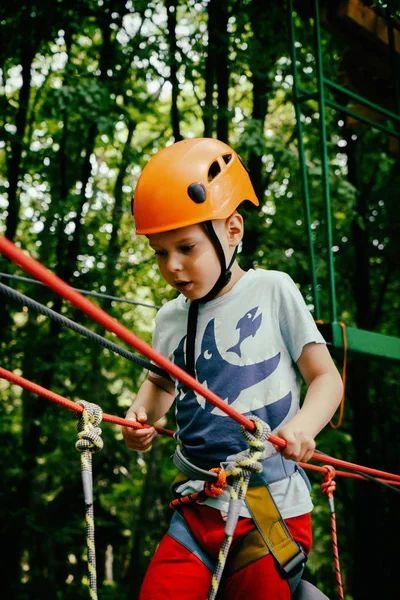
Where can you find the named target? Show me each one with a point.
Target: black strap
(221, 282)
(191, 337)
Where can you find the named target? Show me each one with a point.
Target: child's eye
(160, 252)
(187, 248)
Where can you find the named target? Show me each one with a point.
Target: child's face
(187, 259)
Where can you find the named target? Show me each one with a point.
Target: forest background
(89, 91)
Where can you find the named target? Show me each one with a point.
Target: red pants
(175, 573)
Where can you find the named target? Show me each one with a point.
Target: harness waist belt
(189, 469)
(271, 533)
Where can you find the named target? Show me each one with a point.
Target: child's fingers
(141, 415)
(138, 414)
(138, 439)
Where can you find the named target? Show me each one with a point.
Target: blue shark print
(248, 326)
(223, 378)
(208, 438)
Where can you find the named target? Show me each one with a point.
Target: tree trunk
(268, 33)
(14, 161)
(173, 65)
(209, 75)
(222, 70)
(114, 246)
(48, 354)
(366, 498)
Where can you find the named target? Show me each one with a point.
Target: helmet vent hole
(227, 158)
(213, 171)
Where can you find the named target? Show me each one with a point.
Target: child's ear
(234, 227)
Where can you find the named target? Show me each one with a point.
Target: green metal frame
(358, 340)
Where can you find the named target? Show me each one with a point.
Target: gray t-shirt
(247, 343)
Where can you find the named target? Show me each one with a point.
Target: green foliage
(85, 102)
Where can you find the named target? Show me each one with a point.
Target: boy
(245, 335)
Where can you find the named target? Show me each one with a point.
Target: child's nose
(174, 262)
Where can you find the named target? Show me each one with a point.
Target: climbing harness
(89, 442)
(270, 534)
(212, 488)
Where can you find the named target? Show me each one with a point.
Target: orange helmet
(191, 181)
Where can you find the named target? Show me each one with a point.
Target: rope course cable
(355, 474)
(58, 285)
(55, 316)
(84, 292)
(255, 433)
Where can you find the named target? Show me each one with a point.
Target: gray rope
(48, 312)
(89, 441)
(84, 292)
(241, 472)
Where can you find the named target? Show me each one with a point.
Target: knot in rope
(245, 465)
(256, 440)
(329, 485)
(89, 431)
(215, 488)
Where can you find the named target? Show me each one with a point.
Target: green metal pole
(306, 96)
(360, 117)
(325, 165)
(393, 57)
(362, 100)
(302, 162)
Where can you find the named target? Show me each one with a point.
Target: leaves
(96, 109)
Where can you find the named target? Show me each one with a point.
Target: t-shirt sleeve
(297, 325)
(158, 345)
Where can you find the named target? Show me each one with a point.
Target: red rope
(33, 267)
(41, 391)
(212, 489)
(345, 474)
(328, 487)
(389, 478)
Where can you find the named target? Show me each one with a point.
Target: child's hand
(138, 439)
(299, 445)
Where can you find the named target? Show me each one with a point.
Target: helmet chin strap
(222, 281)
